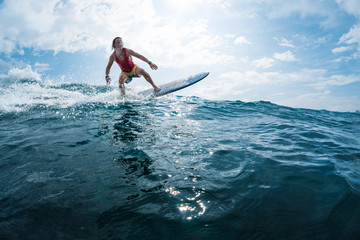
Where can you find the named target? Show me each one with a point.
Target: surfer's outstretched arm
(107, 70)
(153, 66)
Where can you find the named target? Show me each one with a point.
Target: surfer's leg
(140, 71)
(122, 80)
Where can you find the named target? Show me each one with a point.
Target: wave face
(80, 162)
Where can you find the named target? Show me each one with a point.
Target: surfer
(123, 57)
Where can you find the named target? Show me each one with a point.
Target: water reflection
(130, 125)
(193, 207)
(126, 124)
(158, 155)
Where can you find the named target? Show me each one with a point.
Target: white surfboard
(174, 85)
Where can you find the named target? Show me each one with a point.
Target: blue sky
(296, 53)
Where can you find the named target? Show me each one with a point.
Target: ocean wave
(23, 94)
(82, 150)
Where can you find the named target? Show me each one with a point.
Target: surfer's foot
(157, 89)
(122, 89)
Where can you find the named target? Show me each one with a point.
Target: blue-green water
(79, 162)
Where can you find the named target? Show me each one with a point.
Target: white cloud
(186, 4)
(285, 43)
(318, 79)
(353, 36)
(267, 62)
(6, 46)
(287, 56)
(183, 45)
(350, 6)
(341, 49)
(341, 59)
(63, 26)
(241, 40)
(82, 25)
(222, 3)
(264, 62)
(247, 78)
(251, 78)
(335, 80)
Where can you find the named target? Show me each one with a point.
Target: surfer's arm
(108, 67)
(141, 57)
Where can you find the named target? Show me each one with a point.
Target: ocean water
(79, 162)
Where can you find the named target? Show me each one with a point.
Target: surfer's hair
(113, 43)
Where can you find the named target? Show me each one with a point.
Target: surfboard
(174, 85)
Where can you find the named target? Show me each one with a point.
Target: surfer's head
(117, 42)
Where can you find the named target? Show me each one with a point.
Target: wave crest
(23, 89)
(21, 74)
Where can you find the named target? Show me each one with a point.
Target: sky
(303, 53)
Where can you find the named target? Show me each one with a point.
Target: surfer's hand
(153, 66)
(108, 80)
